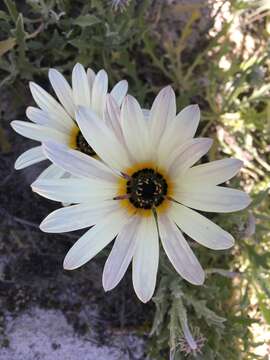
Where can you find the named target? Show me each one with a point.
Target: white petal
(187, 121)
(99, 92)
(200, 228)
(135, 129)
(145, 260)
(77, 216)
(51, 172)
(95, 239)
(112, 118)
(74, 190)
(37, 115)
(146, 114)
(162, 112)
(211, 198)
(102, 139)
(80, 86)
(91, 78)
(63, 91)
(187, 155)
(119, 91)
(214, 172)
(178, 131)
(192, 343)
(29, 157)
(42, 117)
(77, 163)
(38, 132)
(179, 252)
(47, 103)
(120, 255)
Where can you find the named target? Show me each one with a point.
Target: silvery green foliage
(173, 305)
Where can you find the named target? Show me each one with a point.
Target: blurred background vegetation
(214, 53)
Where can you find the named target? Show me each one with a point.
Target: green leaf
(20, 35)
(162, 305)
(4, 16)
(203, 311)
(255, 258)
(86, 20)
(264, 308)
(258, 93)
(259, 198)
(12, 9)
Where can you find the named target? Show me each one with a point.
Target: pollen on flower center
(146, 189)
(143, 188)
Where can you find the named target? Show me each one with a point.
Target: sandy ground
(45, 334)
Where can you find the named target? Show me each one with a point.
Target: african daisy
(143, 191)
(55, 120)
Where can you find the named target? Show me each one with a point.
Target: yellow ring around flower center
(73, 137)
(123, 186)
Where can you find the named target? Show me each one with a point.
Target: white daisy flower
(55, 120)
(144, 191)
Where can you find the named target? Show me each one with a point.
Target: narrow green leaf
(4, 16)
(20, 36)
(86, 20)
(12, 9)
(259, 198)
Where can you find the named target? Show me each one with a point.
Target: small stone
(56, 346)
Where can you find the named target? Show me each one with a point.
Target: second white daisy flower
(54, 120)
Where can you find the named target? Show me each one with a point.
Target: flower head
(54, 120)
(191, 344)
(120, 4)
(143, 190)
